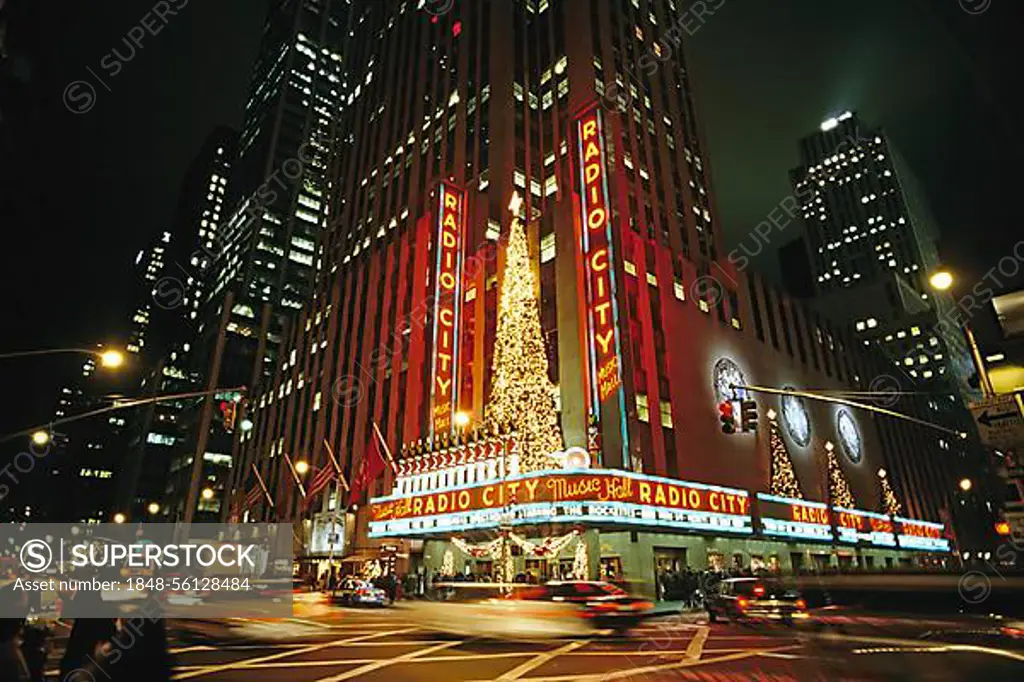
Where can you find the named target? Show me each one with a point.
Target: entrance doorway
(537, 570)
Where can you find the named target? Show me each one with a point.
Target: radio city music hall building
(585, 108)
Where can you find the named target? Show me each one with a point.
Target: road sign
(999, 420)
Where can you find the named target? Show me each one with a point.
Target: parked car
(357, 592)
(754, 599)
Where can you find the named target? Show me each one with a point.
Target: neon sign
(595, 496)
(447, 296)
(921, 535)
(854, 526)
(790, 518)
(595, 211)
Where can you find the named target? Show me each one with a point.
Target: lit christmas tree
(521, 393)
(890, 505)
(783, 481)
(838, 488)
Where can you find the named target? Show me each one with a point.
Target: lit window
(547, 248)
(642, 411)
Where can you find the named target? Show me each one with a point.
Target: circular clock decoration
(849, 436)
(796, 419)
(724, 376)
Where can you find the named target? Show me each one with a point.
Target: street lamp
(120, 518)
(111, 358)
(207, 493)
(153, 508)
(41, 437)
(966, 484)
(942, 280)
(302, 467)
(881, 473)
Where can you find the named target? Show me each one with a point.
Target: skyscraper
(267, 243)
(584, 109)
(872, 244)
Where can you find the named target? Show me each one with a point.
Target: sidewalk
(672, 608)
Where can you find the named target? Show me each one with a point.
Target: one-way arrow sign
(988, 419)
(999, 422)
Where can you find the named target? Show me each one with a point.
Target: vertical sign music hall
(447, 296)
(603, 345)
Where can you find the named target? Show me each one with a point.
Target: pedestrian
(87, 633)
(12, 663)
(391, 587)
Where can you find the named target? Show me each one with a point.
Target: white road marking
(377, 665)
(629, 673)
(292, 652)
(696, 645)
(541, 659)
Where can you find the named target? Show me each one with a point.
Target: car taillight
(758, 590)
(602, 606)
(742, 602)
(362, 590)
(801, 604)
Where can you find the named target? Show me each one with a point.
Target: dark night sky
(81, 194)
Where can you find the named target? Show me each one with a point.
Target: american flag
(321, 480)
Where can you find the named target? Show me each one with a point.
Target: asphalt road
(330, 644)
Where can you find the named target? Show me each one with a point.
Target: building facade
(584, 109)
(264, 251)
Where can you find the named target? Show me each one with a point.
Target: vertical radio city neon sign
(602, 311)
(447, 298)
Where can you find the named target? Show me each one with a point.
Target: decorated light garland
(478, 551)
(522, 395)
(581, 561)
(546, 548)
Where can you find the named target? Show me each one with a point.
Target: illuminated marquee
(595, 212)
(597, 496)
(921, 535)
(447, 295)
(855, 526)
(799, 519)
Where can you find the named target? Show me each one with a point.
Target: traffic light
(726, 414)
(748, 415)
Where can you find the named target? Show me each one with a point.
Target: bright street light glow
(246, 425)
(120, 518)
(881, 473)
(965, 484)
(302, 467)
(40, 437)
(207, 493)
(153, 508)
(111, 358)
(941, 280)
(462, 419)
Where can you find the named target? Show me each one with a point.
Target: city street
(331, 644)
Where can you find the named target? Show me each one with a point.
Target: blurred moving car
(754, 599)
(516, 611)
(607, 606)
(356, 592)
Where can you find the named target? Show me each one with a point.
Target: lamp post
(111, 358)
(942, 280)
